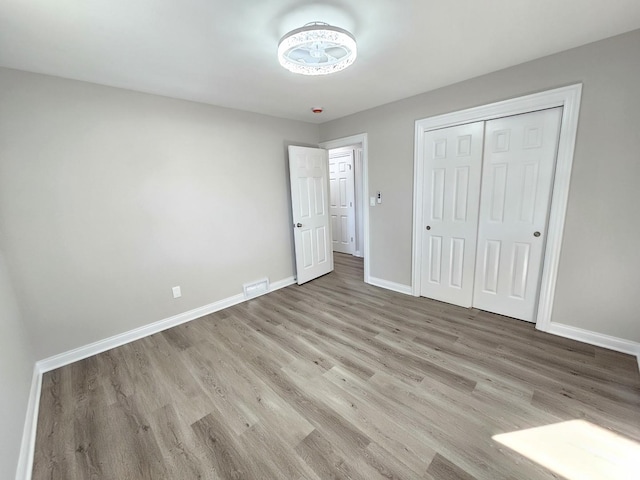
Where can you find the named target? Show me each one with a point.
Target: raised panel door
(452, 169)
(309, 177)
(518, 168)
(342, 206)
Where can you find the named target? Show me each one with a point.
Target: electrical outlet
(177, 293)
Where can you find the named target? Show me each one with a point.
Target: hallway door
(342, 204)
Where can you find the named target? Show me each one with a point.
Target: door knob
(536, 234)
(298, 225)
(428, 227)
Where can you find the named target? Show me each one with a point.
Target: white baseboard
(25, 461)
(594, 338)
(27, 448)
(285, 282)
(396, 287)
(100, 346)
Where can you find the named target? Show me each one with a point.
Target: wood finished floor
(332, 379)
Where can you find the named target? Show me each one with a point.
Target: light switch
(372, 201)
(176, 292)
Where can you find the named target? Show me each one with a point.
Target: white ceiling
(223, 52)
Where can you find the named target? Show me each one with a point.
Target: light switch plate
(372, 201)
(177, 293)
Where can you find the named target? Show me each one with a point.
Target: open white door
(309, 176)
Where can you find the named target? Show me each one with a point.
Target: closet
(487, 191)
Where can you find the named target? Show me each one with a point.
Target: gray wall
(108, 198)
(16, 368)
(599, 271)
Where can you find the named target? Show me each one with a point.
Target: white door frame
(566, 97)
(359, 139)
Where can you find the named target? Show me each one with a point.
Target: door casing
(566, 97)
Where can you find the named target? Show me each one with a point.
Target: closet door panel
(517, 176)
(451, 182)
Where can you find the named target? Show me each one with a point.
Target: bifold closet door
(517, 176)
(452, 169)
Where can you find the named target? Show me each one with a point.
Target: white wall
(16, 368)
(108, 198)
(599, 271)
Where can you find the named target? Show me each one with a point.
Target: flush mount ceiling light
(317, 49)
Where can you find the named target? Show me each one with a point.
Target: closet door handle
(536, 234)
(428, 227)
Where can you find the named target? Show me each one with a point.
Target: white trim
(360, 139)
(100, 346)
(595, 338)
(396, 287)
(566, 97)
(557, 97)
(359, 201)
(27, 447)
(559, 201)
(418, 200)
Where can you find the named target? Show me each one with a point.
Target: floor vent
(256, 289)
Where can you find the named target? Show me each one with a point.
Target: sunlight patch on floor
(577, 450)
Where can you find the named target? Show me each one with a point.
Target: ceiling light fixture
(317, 49)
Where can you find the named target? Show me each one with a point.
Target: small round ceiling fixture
(317, 109)
(317, 49)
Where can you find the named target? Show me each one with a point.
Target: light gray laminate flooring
(332, 379)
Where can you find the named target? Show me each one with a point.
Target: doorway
(345, 189)
(569, 99)
(358, 144)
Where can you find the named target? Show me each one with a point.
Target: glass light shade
(317, 49)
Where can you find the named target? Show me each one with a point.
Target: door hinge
(351, 239)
